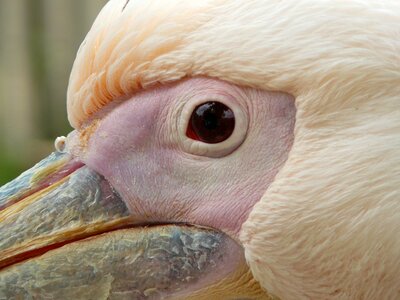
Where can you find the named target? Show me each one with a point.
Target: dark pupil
(211, 122)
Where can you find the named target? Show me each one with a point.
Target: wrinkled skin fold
(65, 233)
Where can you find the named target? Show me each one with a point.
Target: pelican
(243, 149)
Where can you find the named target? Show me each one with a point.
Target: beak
(66, 233)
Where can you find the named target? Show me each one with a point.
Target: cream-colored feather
(329, 225)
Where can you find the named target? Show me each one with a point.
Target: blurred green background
(38, 43)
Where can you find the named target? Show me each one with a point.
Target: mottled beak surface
(66, 233)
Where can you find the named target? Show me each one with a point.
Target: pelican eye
(211, 122)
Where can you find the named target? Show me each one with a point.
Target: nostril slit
(59, 143)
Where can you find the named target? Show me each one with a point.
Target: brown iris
(211, 122)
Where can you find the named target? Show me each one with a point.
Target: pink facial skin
(139, 148)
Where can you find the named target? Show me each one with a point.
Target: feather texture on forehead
(114, 59)
(266, 44)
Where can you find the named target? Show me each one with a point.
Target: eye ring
(220, 149)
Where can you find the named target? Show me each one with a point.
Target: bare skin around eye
(147, 164)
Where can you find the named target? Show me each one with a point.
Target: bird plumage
(307, 183)
(328, 225)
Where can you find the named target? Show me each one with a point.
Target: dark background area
(38, 43)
